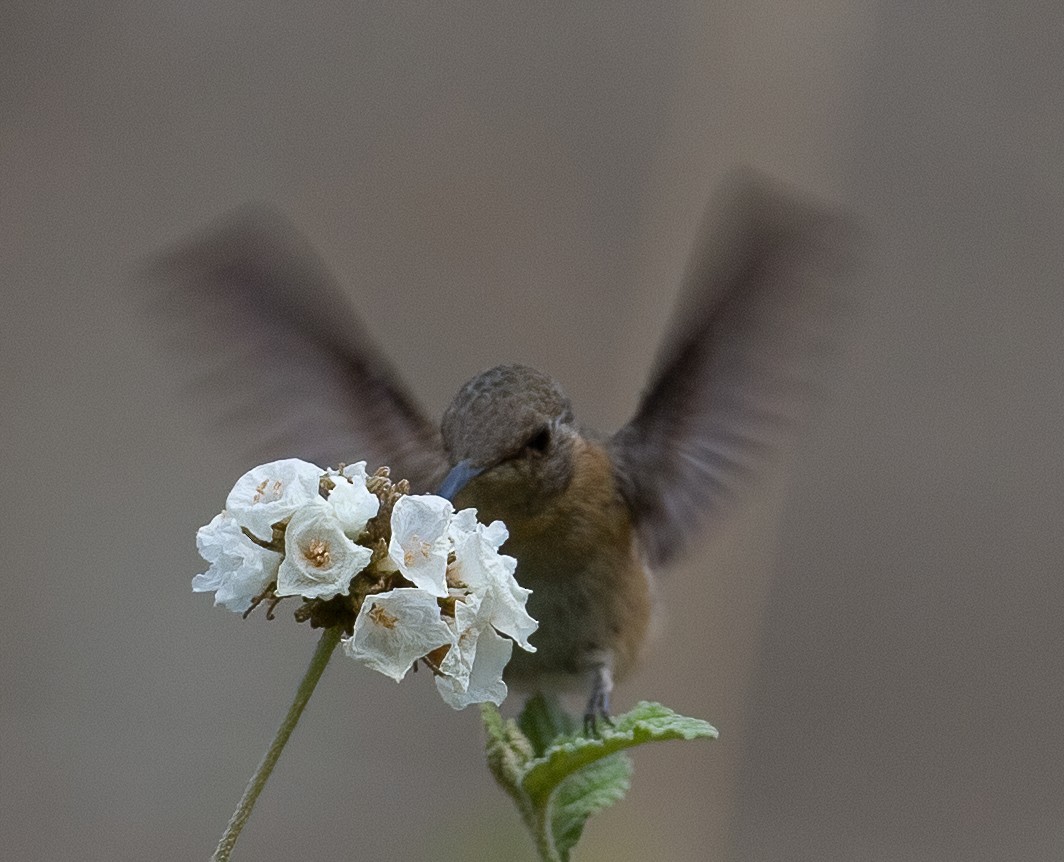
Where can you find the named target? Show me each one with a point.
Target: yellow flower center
(317, 553)
(382, 618)
(265, 491)
(416, 547)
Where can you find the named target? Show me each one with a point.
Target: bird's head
(509, 435)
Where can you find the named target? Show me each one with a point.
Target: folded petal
(396, 628)
(270, 493)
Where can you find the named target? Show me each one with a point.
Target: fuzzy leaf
(543, 721)
(587, 791)
(508, 750)
(554, 772)
(648, 722)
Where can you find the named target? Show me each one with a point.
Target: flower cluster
(408, 577)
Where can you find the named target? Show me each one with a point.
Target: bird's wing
(288, 369)
(758, 317)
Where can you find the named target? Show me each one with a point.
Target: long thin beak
(460, 475)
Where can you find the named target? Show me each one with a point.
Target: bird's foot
(598, 705)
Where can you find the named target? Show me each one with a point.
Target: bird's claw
(592, 719)
(598, 705)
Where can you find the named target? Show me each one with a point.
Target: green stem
(544, 834)
(329, 639)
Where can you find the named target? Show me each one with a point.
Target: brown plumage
(587, 514)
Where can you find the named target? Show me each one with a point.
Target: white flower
(396, 628)
(494, 603)
(419, 544)
(467, 626)
(321, 557)
(484, 683)
(319, 560)
(356, 471)
(490, 575)
(464, 522)
(239, 569)
(351, 500)
(271, 493)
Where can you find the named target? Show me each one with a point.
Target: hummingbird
(591, 516)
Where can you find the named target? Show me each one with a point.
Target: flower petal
(490, 575)
(467, 627)
(270, 493)
(419, 544)
(320, 560)
(351, 499)
(485, 683)
(239, 569)
(396, 628)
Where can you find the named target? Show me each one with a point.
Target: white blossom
(490, 575)
(485, 616)
(484, 683)
(463, 523)
(419, 544)
(270, 493)
(351, 500)
(467, 626)
(319, 560)
(239, 570)
(396, 628)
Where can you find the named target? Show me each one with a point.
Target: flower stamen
(382, 618)
(317, 553)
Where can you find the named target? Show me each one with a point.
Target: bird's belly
(589, 615)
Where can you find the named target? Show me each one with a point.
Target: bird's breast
(590, 590)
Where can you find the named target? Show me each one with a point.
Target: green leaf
(586, 792)
(648, 722)
(559, 777)
(508, 752)
(543, 720)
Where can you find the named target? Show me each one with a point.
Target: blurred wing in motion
(759, 317)
(290, 370)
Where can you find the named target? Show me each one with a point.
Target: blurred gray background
(878, 630)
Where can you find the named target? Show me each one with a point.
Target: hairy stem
(329, 639)
(544, 834)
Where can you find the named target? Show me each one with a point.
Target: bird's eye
(539, 442)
